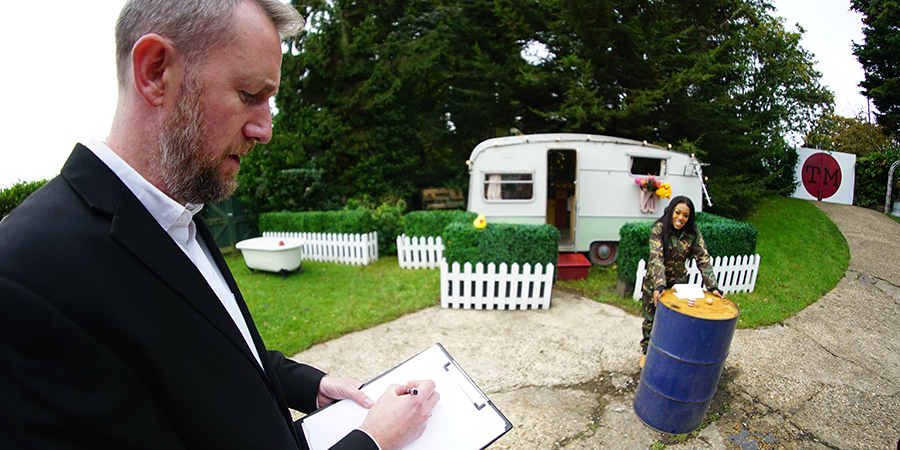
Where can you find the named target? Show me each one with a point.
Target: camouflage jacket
(682, 246)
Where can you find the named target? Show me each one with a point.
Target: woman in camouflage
(673, 239)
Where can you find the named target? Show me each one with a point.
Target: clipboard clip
(463, 383)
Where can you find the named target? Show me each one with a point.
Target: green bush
(433, 222)
(501, 242)
(388, 217)
(15, 194)
(389, 224)
(634, 245)
(723, 236)
(359, 221)
(871, 179)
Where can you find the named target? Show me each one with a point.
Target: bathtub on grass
(272, 254)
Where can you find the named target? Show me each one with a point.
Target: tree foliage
(848, 135)
(384, 98)
(16, 194)
(872, 173)
(879, 55)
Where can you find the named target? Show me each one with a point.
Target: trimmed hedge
(358, 221)
(388, 220)
(501, 242)
(15, 194)
(723, 236)
(497, 243)
(433, 222)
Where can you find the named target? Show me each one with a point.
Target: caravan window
(642, 166)
(508, 186)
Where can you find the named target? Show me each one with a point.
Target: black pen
(412, 391)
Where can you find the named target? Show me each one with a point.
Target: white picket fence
(493, 287)
(733, 273)
(358, 249)
(419, 252)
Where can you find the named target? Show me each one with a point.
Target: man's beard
(189, 174)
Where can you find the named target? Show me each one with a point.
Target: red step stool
(572, 266)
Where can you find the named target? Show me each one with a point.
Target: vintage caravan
(582, 184)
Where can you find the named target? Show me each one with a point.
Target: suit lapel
(274, 383)
(204, 233)
(137, 231)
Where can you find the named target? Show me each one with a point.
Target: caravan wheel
(603, 253)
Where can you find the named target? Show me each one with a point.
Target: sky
(60, 82)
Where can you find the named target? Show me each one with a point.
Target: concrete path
(827, 378)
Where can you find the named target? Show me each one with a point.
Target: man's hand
(398, 418)
(332, 389)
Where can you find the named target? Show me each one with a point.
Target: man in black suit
(120, 324)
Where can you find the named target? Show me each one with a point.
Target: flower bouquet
(651, 191)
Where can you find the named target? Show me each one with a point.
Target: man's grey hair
(195, 27)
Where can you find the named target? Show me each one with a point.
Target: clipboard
(464, 418)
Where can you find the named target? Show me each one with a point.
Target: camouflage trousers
(648, 312)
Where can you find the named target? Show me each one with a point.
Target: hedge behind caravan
(582, 184)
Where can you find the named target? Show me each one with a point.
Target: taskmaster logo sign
(821, 175)
(825, 176)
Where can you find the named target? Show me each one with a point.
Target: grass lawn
(803, 256)
(328, 300)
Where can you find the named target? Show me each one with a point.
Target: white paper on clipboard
(464, 418)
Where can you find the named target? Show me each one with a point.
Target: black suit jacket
(111, 338)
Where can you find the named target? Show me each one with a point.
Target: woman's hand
(719, 294)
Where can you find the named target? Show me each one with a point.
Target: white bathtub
(272, 254)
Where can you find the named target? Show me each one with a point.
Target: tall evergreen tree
(879, 55)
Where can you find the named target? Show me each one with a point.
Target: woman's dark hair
(666, 220)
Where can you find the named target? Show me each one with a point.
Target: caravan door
(562, 204)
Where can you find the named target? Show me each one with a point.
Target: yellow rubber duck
(480, 222)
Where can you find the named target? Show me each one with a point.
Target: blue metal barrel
(685, 358)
